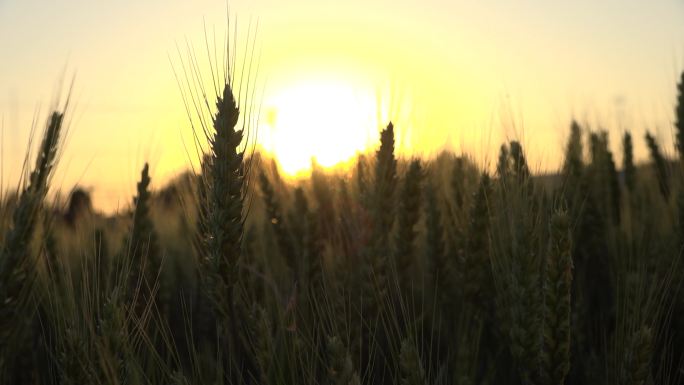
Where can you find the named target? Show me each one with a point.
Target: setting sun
(325, 120)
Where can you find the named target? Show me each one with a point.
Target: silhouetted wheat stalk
(556, 354)
(408, 214)
(16, 262)
(659, 165)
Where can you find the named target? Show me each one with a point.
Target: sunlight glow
(322, 119)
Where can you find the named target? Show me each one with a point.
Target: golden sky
(461, 75)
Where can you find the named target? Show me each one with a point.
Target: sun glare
(328, 121)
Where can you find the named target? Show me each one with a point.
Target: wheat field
(401, 271)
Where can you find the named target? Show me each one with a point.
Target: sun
(326, 120)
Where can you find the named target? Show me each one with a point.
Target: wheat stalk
(659, 165)
(410, 365)
(408, 214)
(628, 161)
(276, 219)
(15, 255)
(144, 248)
(679, 117)
(340, 370)
(556, 355)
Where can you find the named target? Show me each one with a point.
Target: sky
(327, 75)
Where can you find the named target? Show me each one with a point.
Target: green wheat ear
(477, 278)
(407, 219)
(517, 264)
(503, 163)
(144, 247)
(311, 242)
(410, 365)
(221, 207)
(15, 255)
(603, 173)
(660, 165)
(262, 342)
(275, 216)
(520, 169)
(222, 195)
(226, 192)
(374, 268)
(679, 117)
(556, 352)
(457, 183)
(636, 368)
(439, 266)
(573, 166)
(628, 161)
(340, 370)
(384, 188)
